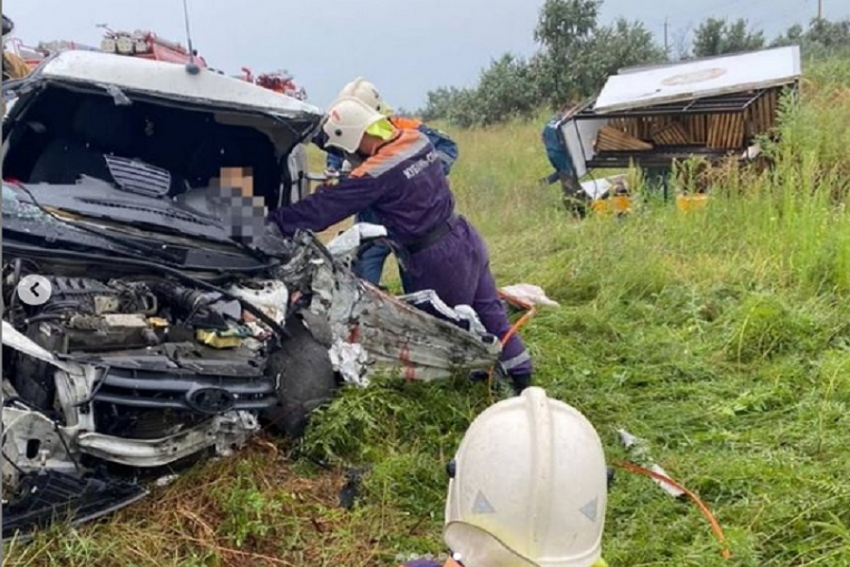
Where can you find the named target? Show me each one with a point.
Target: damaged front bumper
(223, 432)
(44, 470)
(44, 479)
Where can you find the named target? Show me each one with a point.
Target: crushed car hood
(117, 223)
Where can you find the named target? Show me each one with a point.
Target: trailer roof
(734, 102)
(702, 78)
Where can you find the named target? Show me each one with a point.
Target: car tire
(307, 380)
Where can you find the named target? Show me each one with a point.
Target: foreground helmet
(347, 121)
(368, 93)
(528, 488)
(8, 25)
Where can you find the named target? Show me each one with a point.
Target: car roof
(167, 80)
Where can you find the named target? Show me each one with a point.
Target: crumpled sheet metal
(350, 360)
(400, 337)
(396, 337)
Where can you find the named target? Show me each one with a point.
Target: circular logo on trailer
(208, 399)
(695, 77)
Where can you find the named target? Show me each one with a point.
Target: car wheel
(307, 380)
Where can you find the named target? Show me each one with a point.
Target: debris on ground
(639, 450)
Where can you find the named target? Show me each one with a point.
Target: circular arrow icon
(34, 289)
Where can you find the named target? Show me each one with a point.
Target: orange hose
(530, 311)
(715, 525)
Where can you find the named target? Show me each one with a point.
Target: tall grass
(721, 335)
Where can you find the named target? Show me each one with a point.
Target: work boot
(478, 376)
(520, 382)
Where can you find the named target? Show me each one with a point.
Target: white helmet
(347, 121)
(368, 93)
(528, 488)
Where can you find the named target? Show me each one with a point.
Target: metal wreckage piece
(375, 333)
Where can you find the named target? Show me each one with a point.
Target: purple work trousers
(423, 563)
(457, 268)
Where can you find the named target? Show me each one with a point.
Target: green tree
(578, 55)
(792, 36)
(575, 57)
(506, 89)
(718, 37)
(829, 34)
(565, 31)
(625, 44)
(440, 102)
(821, 38)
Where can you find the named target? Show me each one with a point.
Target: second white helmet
(529, 487)
(367, 92)
(347, 121)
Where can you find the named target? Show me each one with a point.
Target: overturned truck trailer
(652, 116)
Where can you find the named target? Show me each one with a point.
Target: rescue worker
(370, 263)
(546, 509)
(398, 174)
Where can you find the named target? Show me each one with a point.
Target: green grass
(721, 336)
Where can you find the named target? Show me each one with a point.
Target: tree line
(577, 54)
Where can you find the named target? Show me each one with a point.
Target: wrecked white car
(165, 330)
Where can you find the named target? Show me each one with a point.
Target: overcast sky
(405, 46)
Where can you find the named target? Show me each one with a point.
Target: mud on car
(171, 331)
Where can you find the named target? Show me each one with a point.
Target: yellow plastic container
(691, 202)
(612, 205)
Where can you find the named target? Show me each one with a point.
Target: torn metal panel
(579, 137)
(396, 336)
(400, 337)
(460, 315)
(350, 360)
(31, 443)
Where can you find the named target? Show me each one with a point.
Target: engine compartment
(171, 355)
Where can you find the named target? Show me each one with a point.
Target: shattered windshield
(13, 206)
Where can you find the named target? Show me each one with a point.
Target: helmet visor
(472, 545)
